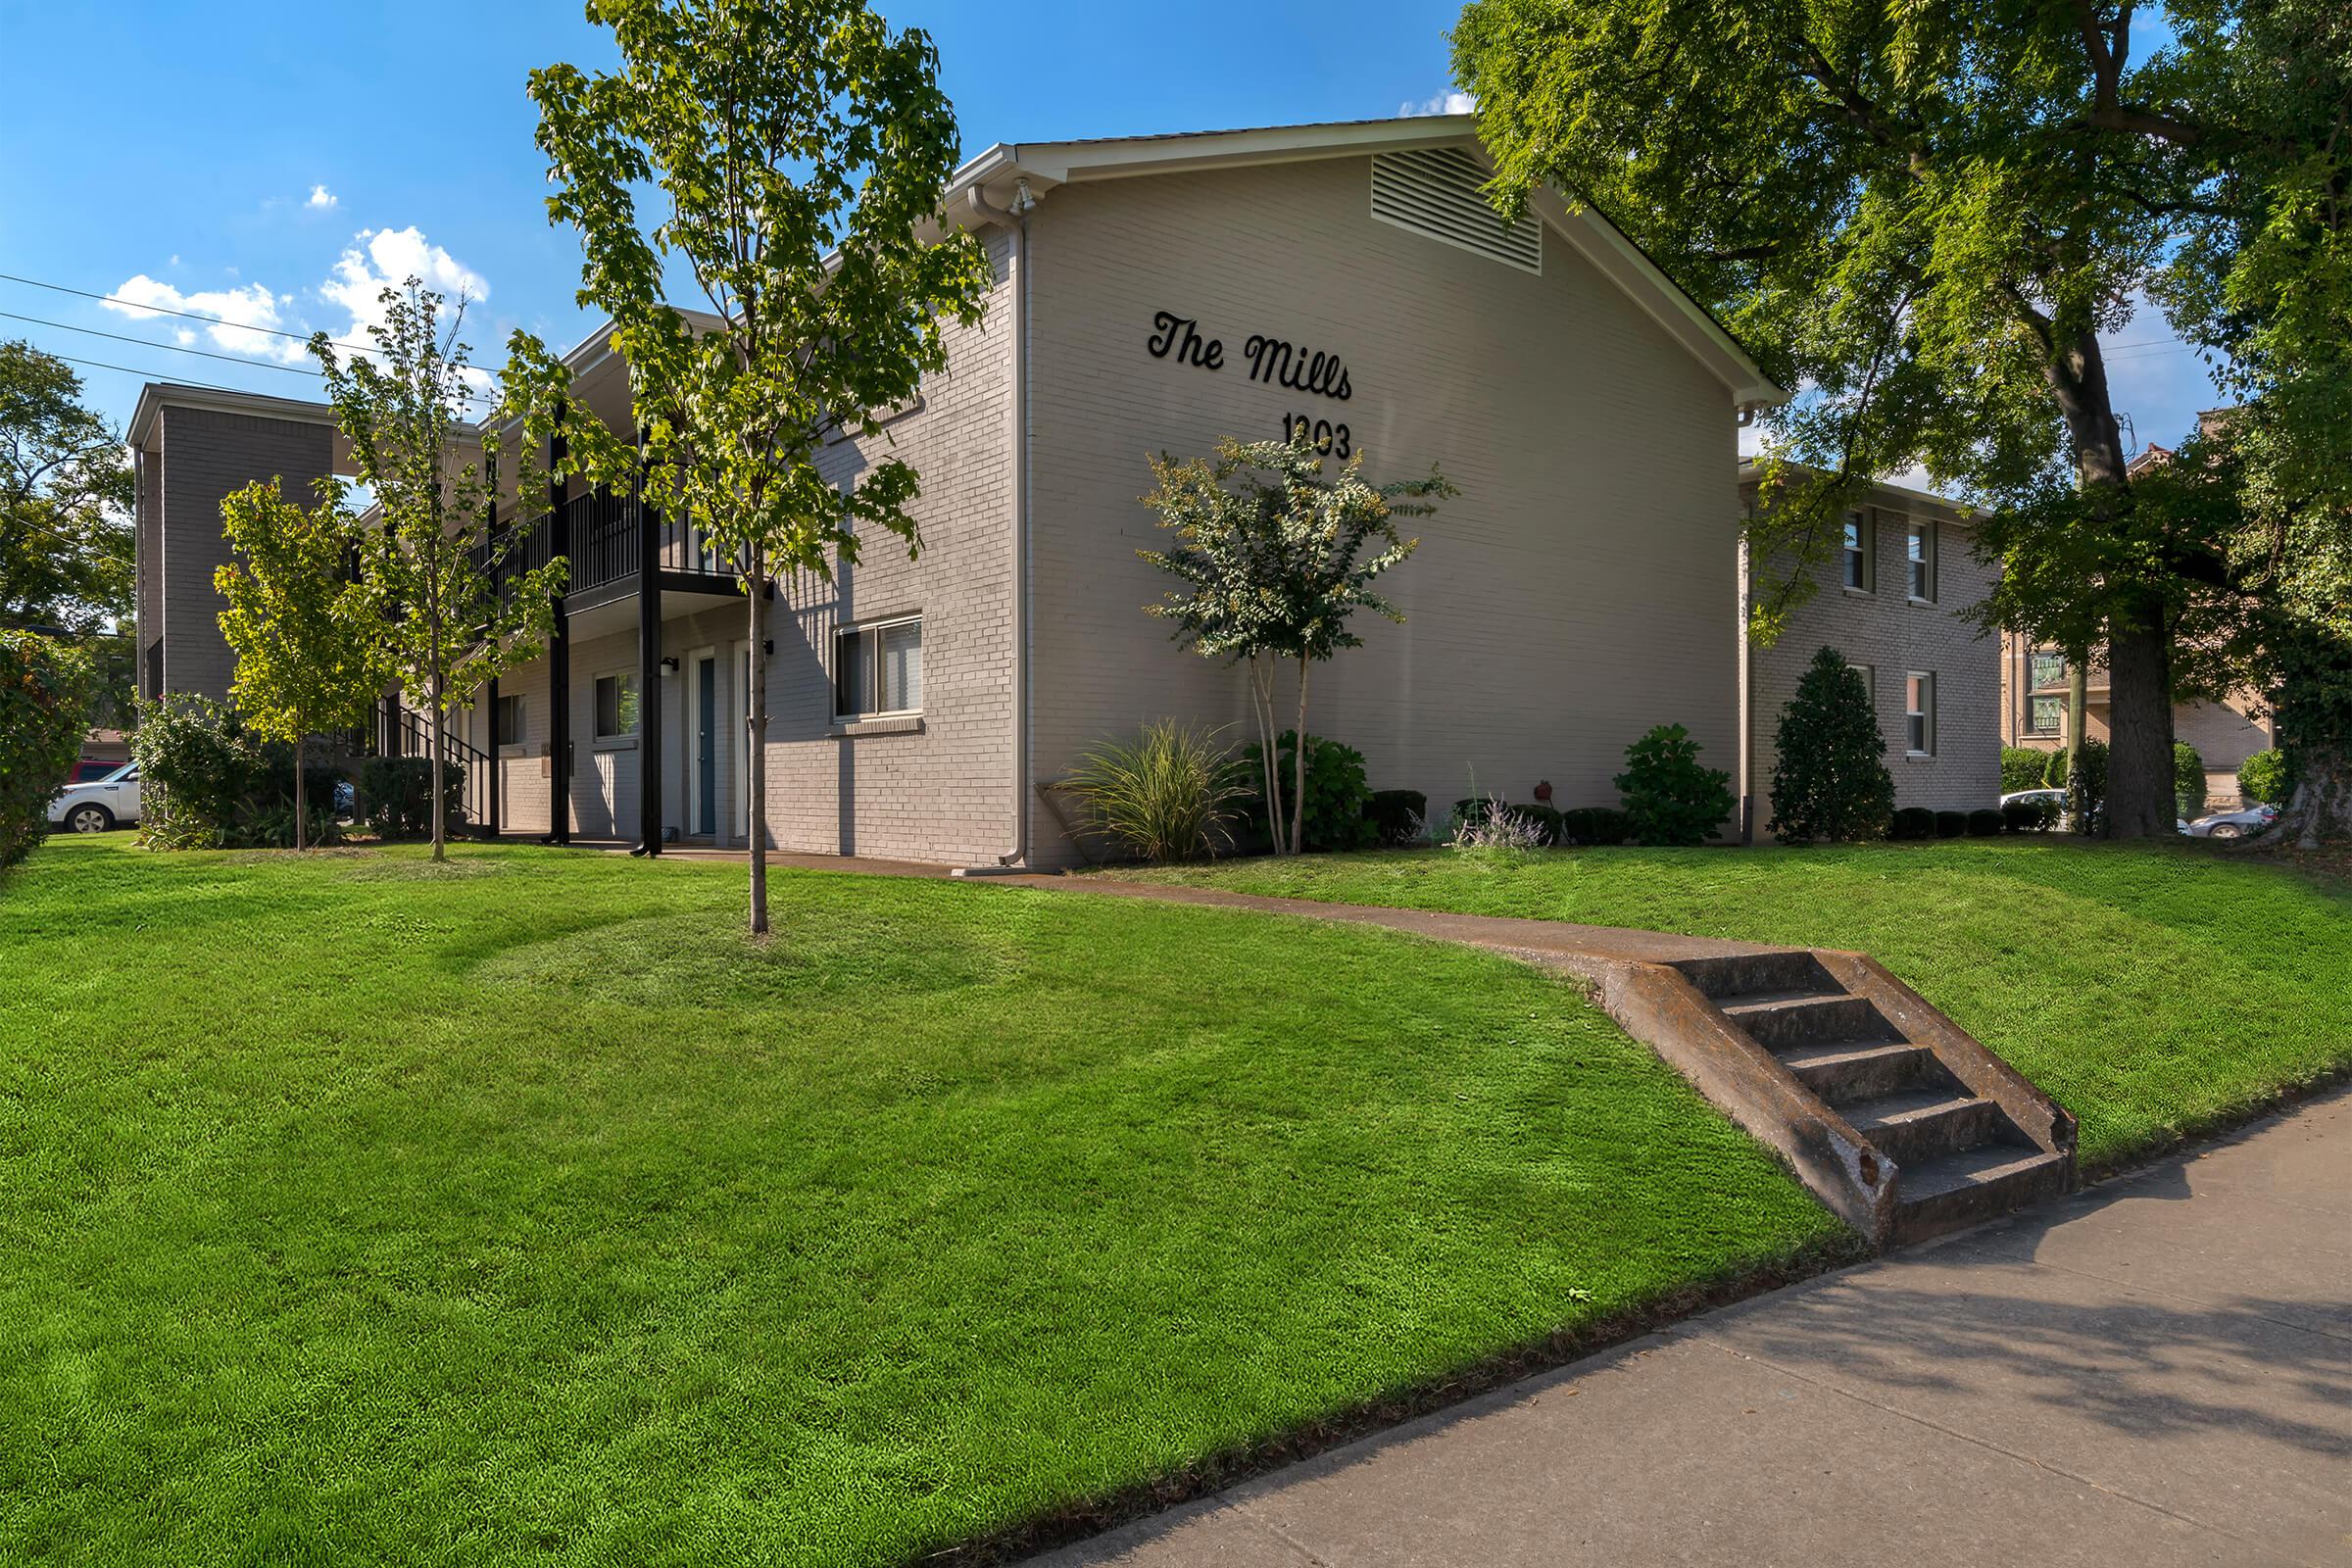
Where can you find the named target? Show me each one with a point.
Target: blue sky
(276, 162)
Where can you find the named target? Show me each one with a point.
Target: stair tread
(1819, 1052)
(1980, 1167)
(1907, 1105)
(1768, 1001)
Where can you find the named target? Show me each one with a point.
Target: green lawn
(2154, 990)
(354, 1210)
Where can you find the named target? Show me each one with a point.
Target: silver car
(2242, 824)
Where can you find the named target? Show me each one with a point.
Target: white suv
(93, 807)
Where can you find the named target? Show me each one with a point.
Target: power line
(177, 348)
(165, 310)
(131, 369)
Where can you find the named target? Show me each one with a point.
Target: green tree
(47, 688)
(66, 561)
(1924, 216)
(427, 570)
(1828, 773)
(296, 620)
(799, 152)
(2264, 282)
(1272, 558)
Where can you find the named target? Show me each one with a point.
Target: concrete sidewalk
(2156, 1371)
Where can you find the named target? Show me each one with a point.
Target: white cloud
(1443, 102)
(322, 198)
(374, 261)
(240, 310)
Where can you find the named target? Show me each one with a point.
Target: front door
(706, 747)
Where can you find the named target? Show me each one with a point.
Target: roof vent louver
(1434, 192)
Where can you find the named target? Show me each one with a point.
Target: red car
(91, 769)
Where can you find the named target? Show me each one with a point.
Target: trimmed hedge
(1595, 825)
(1950, 824)
(1912, 822)
(2024, 767)
(1397, 816)
(48, 690)
(1983, 823)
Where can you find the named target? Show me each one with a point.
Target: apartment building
(1150, 294)
(1893, 598)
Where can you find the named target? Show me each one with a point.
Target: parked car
(108, 803)
(2244, 824)
(91, 769)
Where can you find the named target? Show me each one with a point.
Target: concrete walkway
(2156, 1371)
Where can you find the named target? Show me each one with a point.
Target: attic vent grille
(1434, 192)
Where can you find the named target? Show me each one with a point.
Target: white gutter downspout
(1016, 220)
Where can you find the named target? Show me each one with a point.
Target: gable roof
(1044, 166)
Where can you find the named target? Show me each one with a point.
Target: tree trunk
(1299, 772)
(1261, 708)
(755, 721)
(301, 816)
(2140, 656)
(434, 774)
(2078, 710)
(2321, 808)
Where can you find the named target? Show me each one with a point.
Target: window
(506, 721)
(2045, 716)
(1857, 552)
(878, 669)
(1919, 712)
(615, 707)
(1919, 554)
(2049, 667)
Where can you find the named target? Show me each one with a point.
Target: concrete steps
(1926, 1130)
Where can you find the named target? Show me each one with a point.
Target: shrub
(2189, 781)
(2030, 817)
(1983, 822)
(1828, 779)
(2087, 796)
(2024, 769)
(1397, 816)
(1335, 791)
(206, 781)
(1950, 824)
(1670, 796)
(48, 690)
(1913, 822)
(1594, 825)
(1541, 820)
(1167, 795)
(2265, 777)
(393, 798)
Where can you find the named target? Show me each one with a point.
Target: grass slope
(2153, 989)
(353, 1209)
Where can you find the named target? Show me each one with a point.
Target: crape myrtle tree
(428, 571)
(794, 154)
(1920, 218)
(1271, 555)
(297, 621)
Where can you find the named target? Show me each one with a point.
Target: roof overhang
(1882, 493)
(157, 396)
(996, 173)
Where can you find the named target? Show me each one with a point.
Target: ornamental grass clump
(1170, 794)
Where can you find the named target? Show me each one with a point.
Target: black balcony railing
(605, 547)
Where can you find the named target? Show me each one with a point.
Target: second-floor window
(2049, 667)
(1919, 553)
(878, 668)
(1857, 552)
